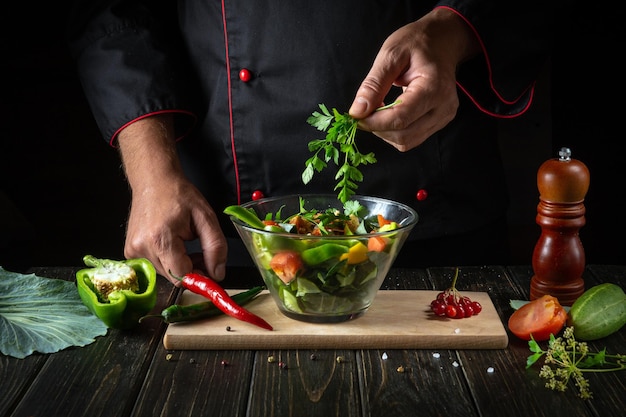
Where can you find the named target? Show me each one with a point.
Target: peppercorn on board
(397, 319)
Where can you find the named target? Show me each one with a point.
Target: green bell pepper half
(124, 307)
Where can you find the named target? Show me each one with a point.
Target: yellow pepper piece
(387, 227)
(356, 254)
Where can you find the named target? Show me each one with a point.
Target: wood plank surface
(131, 373)
(431, 383)
(399, 319)
(213, 383)
(310, 383)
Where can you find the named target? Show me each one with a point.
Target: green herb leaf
(595, 360)
(44, 315)
(340, 131)
(534, 346)
(532, 359)
(517, 304)
(354, 207)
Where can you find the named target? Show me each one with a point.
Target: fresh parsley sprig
(340, 131)
(571, 359)
(332, 215)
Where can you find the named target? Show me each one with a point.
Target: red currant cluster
(450, 303)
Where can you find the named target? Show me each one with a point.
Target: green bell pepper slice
(246, 215)
(322, 253)
(124, 308)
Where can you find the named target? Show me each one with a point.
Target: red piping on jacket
(495, 91)
(501, 116)
(230, 106)
(154, 113)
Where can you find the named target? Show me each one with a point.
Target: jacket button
(422, 195)
(245, 75)
(257, 195)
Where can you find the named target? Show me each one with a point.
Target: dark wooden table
(129, 373)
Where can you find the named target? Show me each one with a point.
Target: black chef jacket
(242, 77)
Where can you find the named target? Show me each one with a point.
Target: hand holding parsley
(340, 139)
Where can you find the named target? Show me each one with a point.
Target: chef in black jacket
(207, 102)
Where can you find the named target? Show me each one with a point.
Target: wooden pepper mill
(559, 258)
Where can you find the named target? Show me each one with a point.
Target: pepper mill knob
(559, 258)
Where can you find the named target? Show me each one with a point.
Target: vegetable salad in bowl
(323, 260)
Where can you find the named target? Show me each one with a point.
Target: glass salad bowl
(323, 261)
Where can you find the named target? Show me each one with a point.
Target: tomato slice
(539, 318)
(286, 265)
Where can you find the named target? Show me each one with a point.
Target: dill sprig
(568, 359)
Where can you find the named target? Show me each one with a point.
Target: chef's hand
(420, 57)
(166, 208)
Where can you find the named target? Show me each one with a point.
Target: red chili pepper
(210, 289)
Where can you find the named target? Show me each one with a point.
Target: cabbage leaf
(45, 315)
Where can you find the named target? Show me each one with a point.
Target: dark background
(63, 193)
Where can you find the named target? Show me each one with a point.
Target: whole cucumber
(598, 312)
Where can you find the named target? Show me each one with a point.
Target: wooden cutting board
(397, 319)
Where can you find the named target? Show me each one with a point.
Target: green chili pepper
(319, 254)
(265, 242)
(180, 313)
(246, 215)
(118, 292)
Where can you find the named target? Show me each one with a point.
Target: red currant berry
(451, 311)
(477, 307)
(439, 309)
(460, 312)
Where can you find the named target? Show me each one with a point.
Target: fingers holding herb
(339, 147)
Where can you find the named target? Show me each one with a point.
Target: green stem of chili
(177, 313)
